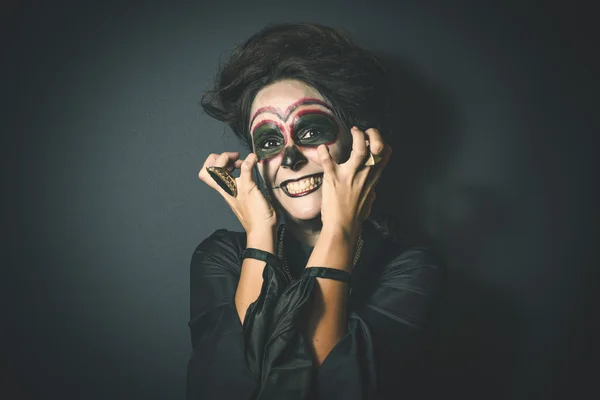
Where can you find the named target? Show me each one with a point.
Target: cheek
(268, 167)
(337, 153)
(312, 154)
(340, 151)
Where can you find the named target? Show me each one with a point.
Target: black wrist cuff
(329, 273)
(261, 255)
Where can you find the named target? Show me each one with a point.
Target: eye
(309, 133)
(269, 143)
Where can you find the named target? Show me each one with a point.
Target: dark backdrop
(103, 138)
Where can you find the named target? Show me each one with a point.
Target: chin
(306, 215)
(303, 209)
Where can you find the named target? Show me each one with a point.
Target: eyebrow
(298, 118)
(284, 116)
(277, 124)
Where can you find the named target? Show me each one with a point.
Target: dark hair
(350, 78)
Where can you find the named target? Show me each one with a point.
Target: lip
(283, 185)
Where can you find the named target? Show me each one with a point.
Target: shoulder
(222, 239)
(413, 256)
(406, 258)
(222, 248)
(418, 266)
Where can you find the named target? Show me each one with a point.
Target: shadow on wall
(478, 344)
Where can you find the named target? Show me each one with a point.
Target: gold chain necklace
(286, 268)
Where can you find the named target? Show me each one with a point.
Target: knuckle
(246, 165)
(362, 152)
(377, 147)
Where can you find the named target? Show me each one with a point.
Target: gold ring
(223, 179)
(372, 159)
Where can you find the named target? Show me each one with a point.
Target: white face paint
(289, 119)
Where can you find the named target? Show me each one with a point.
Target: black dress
(395, 293)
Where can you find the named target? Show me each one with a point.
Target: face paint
(268, 139)
(313, 128)
(290, 109)
(310, 128)
(293, 158)
(299, 119)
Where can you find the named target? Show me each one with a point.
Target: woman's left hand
(348, 188)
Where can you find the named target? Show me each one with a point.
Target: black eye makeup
(310, 129)
(268, 140)
(313, 128)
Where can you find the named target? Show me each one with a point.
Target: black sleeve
(385, 350)
(217, 368)
(380, 355)
(227, 357)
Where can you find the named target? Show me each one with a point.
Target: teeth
(294, 191)
(303, 185)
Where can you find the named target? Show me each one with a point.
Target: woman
(314, 299)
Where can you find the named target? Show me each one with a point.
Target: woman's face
(288, 120)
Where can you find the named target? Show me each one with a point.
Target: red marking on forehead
(270, 121)
(285, 115)
(311, 111)
(273, 122)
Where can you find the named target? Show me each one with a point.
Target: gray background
(104, 137)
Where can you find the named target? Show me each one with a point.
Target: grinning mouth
(302, 186)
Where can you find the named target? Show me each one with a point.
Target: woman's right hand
(250, 206)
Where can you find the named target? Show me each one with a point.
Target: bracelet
(261, 255)
(329, 273)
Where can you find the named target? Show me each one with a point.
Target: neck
(305, 231)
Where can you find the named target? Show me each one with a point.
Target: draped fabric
(395, 292)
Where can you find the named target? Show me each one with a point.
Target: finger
(217, 160)
(210, 160)
(359, 148)
(202, 174)
(226, 159)
(232, 166)
(327, 162)
(376, 170)
(246, 180)
(214, 159)
(376, 143)
(238, 164)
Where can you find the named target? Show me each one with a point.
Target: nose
(293, 158)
